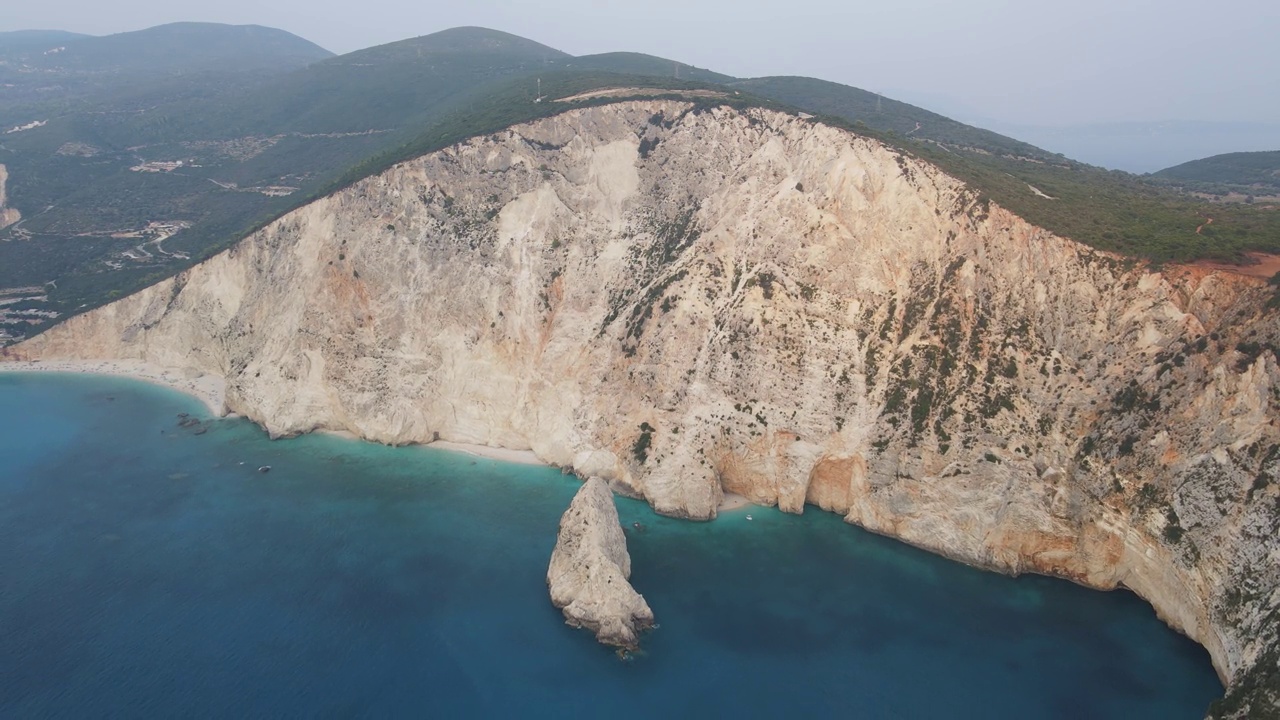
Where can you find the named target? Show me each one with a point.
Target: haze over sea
(150, 571)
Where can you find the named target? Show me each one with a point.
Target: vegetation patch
(640, 449)
(1173, 530)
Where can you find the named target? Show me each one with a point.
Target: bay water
(150, 570)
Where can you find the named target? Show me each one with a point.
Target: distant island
(1249, 177)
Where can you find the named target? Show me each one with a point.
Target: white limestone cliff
(590, 569)
(688, 301)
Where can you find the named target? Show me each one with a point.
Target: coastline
(209, 389)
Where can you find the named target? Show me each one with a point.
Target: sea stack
(590, 568)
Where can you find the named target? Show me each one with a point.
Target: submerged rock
(590, 568)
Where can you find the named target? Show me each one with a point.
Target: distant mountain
(177, 48)
(24, 41)
(1248, 173)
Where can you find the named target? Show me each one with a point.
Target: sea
(149, 569)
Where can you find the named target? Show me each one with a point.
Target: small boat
(264, 469)
(748, 517)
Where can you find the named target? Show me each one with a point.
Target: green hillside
(1248, 173)
(629, 63)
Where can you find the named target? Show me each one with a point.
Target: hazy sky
(1016, 61)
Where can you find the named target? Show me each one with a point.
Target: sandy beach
(733, 501)
(521, 457)
(209, 389)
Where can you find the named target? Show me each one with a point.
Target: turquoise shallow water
(147, 571)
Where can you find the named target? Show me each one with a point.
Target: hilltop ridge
(461, 41)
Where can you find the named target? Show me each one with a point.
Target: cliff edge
(590, 568)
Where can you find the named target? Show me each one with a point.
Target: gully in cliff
(590, 568)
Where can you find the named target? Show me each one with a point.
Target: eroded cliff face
(687, 302)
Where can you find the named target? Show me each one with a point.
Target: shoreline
(211, 390)
(208, 389)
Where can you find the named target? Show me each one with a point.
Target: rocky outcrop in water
(590, 571)
(687, 301)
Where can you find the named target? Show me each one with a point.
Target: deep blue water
(146, 571)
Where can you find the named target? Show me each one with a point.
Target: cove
(147, 570)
